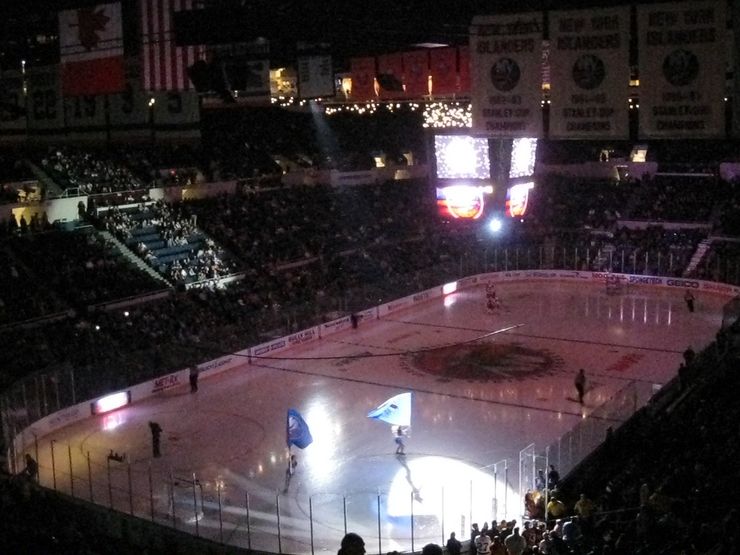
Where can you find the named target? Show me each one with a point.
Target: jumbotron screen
(523, 158)
(462, 157)
(463, 201)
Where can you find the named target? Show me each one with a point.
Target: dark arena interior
(229, 230)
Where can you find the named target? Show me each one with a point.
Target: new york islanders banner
(505, 63)
(682, 69)
(91, 50)
(296, 431)
(589, 73)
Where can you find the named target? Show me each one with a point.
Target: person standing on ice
(580, 383)
(400, 446)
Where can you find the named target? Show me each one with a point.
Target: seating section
(167, 238)
(674, 198)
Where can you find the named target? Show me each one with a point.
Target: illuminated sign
(517, 197)
(448, 288)
(465, 202)
(462, 157)
(111, 402)
(523, 157)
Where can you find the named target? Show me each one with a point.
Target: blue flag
(297, 431)
(395, 411)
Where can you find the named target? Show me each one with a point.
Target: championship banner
(12, 106)
(416, 73)
(44, 101)
(506, 66)
(682, 69)
(362, 71)
(443, 67)
(91, 50)
(390, 76)
(315, 76)
(589, 73)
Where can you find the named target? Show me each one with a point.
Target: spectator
(352, 544)
(515, 544)
(454, 547)
(431, 549)
(553, 478)
(31, 470)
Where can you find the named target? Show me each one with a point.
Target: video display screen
(462, 157)
(463, 201)
(523, 157)
(517, 198)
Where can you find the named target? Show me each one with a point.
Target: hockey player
(492, 301)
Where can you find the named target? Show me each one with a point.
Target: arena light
(495, 225)
(447, 115)
(448, 288)
(110, 402)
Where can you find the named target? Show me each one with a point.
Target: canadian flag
(91, 48)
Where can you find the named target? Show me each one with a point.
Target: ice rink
(477, 402)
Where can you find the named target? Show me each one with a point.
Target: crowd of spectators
(23, 295)
(306, 253)
(167, 238)
(673, 198)
(87, 269)
(88, 172)
(562, 202)
(677, 496)
(301, 253)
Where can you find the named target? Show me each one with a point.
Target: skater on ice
(492, 300)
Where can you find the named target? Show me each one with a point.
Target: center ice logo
(487, 362)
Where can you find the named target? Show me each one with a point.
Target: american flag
(164, 65)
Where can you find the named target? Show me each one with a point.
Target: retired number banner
(682, 69)
(505, 62)
(589, 73)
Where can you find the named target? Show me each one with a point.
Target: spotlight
(495, 225)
